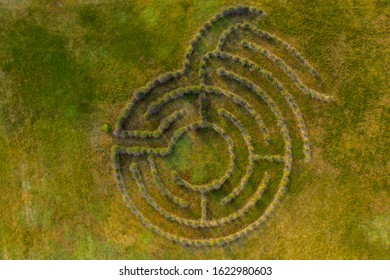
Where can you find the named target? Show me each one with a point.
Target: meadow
(67, 68)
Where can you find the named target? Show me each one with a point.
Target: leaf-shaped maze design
(235, 80)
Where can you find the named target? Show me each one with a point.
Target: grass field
(67, 68)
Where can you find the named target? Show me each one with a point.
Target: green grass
(194, 157)
(67, 69)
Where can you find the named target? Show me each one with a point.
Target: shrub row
(213, 185)
(245, 231)
(201, 33)
(164, 125)
(164, 151)
(172, 95)
(287, 96)
(203, 107)
(240, 101)
(281, 42)
(231, 29)
(286, 69)
(247, 207)
(151, 202)
(203, 99)
(139, 94)
(203, 206)
(192, 223)
(248, 142)
(270, 158)
(258, 193)
(119, 179)
(243, 182)
(126, 198)
(116, 166)
(117, 150)
(182, 240)
(267, 99)
(287, 161)
(203, 242)
(222, 39)
(202, 70)
(163, 190)
(196, 224)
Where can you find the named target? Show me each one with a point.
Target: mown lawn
(67, 68)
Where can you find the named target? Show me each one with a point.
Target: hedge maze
(204, 154)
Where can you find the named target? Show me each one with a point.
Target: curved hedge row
(157, 105)
(161, 187)
(203, 222)
(242, 102)
(140, 151)
(203, 207)
(286, 69)
(248, 142)
(181, 240)
(247, 207)
(202, 70)
(281, 122)
(287, 96)
(271, 37)
(203, 107)
(270, 158)
(164, 125)
(139, 95)
(202, 32)
(198, 242)
(169, 216)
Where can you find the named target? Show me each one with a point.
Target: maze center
(200, 156)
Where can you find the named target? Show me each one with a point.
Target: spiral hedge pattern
(237, 85)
